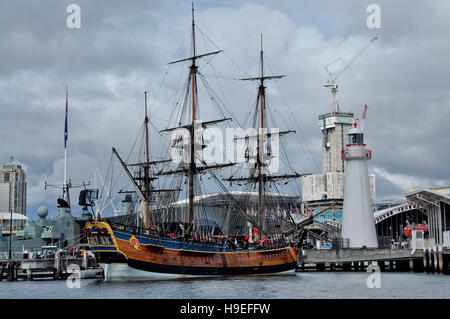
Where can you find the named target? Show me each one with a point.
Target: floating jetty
(431, 260)
(58, 268)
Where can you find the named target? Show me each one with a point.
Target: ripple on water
(287, 285)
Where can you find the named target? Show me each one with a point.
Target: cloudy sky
(123, 47)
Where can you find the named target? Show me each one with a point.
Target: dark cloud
(123, 47)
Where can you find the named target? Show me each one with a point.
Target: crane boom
(355, 57)
(331, 83)
(326, 67)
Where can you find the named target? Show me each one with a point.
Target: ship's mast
(146, 169)
(262, 175)
(143, 189)
(191, 170)
(260, 149)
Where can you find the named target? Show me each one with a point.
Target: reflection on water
(287, 285)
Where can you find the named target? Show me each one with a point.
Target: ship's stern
(103, 243)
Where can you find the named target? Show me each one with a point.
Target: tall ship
(225, 233)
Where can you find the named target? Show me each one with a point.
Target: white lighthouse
(357, 218)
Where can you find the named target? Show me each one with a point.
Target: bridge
(423, 206)
(381, 215)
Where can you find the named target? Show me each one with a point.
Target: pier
(58, 268)
(430, 260)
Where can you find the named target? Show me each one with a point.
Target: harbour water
(301, 285)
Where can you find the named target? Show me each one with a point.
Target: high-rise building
(335, 126)
(13, 188)
(5, 197)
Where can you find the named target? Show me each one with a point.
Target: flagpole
(10, 234)
(65, 167)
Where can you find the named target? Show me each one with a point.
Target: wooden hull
(162, 255)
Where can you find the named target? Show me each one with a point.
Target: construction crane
(331, 83)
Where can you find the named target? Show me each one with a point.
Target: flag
(365, 112)
(65, 124)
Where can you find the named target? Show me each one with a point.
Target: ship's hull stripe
(179, 246)
(192, 270)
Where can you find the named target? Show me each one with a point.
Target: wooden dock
(431, 260)
(57, 268)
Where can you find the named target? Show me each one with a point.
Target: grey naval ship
(62, 231)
